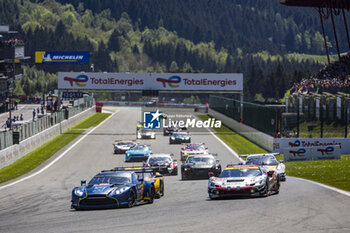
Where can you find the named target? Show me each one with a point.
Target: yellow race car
(139, 125)
(148, 174)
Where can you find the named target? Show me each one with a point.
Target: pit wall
(263, 140)
(11, 154)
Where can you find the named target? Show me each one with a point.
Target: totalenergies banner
(150, 81)
(311, 153)
(343, 143)
(297, 154)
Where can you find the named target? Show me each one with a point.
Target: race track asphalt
(42, 203)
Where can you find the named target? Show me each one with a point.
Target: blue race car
(111, 189)
(138, 153)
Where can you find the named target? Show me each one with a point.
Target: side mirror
(211, 174)
(217, 161)
(281, 161)
(182, 148)
(171, 154)
(140, 179)
(214, 154)
(82, 182)
(158, 176)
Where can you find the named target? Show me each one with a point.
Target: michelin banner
(150, 81)
(61, 57)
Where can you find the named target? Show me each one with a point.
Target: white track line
(56, 159)
(324, 186)
(223, 143)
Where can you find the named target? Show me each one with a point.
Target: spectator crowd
(331, 78)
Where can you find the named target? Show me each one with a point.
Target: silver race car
(243, 180)
(193, 149)
(267, 162)
(146, 134)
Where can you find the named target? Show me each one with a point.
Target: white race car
(268, 162)
(243, 180)
(193, 149)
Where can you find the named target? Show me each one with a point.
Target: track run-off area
(41, 203)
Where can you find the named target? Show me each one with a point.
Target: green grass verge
(38, 156)
(331, 172)
(92, 121)
(35, 158)
(240, 144)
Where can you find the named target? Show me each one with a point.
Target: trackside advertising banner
(343, 143)
(150, 81)
(311, 153)
(59, 57)
(326, 152)
(297, 154)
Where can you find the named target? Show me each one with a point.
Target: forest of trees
(252, 37)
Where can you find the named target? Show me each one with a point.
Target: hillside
(122, 36)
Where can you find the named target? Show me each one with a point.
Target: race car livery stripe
(232, 168)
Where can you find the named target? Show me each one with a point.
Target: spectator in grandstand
(334, 77)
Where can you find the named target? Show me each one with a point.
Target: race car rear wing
(135, 169)
(263, 154)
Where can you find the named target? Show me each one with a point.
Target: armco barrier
(263, 140)
(15, 152)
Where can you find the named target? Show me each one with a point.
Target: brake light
(145, 164)
(174, 164)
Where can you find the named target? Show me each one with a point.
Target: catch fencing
(263, 118)
(32, 128)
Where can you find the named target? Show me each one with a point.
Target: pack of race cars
(259, 175)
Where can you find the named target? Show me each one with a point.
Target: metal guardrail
(31, 128)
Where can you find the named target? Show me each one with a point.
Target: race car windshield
(262, 160)
(125, 143)
(145, 130)
(240, 173)
(120, 178)
(193, 147)
(179, 134)
(200, 160)
(159, 159)
(140, 147)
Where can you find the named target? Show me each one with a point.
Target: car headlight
(173, 138)
(212, 184)
(121, 190)
(79, 192)
(187, 138)
(152, 136)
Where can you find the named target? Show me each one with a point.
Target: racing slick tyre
(132, 200)
(265, 192)
(183, 177)
(162, 190)
(151, 195)
(175, 172)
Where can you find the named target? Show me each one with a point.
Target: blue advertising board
(54, 57)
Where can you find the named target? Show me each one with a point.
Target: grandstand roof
(340, 4)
